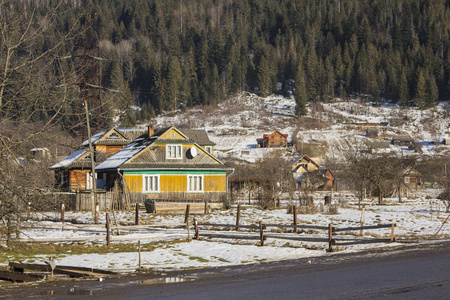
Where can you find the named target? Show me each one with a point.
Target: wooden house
(372, 132)
(74, 172)
(411, 178)
(167, 164)
(447, 138)
(302, 165)
(320, 179)
(402, 140)
(276, 139)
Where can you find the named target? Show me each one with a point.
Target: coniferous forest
(167, 55)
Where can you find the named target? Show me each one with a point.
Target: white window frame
(407, 179)
(209, 149)
(195, 183)
(150, 184)
(174, 151)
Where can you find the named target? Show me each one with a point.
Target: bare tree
(36, 96)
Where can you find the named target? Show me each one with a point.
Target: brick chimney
(150, 130)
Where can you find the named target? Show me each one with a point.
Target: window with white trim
(173, 151)
(151, 183)
(209, 149)
(195, 183)
(407, 180)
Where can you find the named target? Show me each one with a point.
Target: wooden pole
(63, 210)
(294, 211)
(330, 237)
(392, 231)
(29, 210)
(261, 233)
(108, 237)
(139, 248)
(206, 207)
(97, 211)
(186, 215)
(238, 216)
(361, 221)
(136, 217)
(197, 234)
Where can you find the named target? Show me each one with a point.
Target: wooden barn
(167, 164)
(276, 139)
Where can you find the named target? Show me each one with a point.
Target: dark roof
(198, 135)
(133, 133)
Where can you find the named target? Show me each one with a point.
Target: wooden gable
(113, 134)
(156, 154)
(172, 134)
(304, 164)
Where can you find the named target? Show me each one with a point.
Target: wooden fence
(262, 236)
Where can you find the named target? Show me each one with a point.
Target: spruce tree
(420, 98)
(263, 77)
(301, 97)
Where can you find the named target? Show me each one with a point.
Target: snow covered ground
(418, 218)
(234, 126)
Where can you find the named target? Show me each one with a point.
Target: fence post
(206, 207)
(197, 234)
(392, 231)
(361, 221)
(63, 210)
(238, 215)
(139, 248)
(186, 216)
(29, 210)
(108, 237)
(261, 233)
(330, 237)
(97, 211)
(136, 218)
(294, 211)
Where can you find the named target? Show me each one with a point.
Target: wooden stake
(97, 210)
(330, 237)
(108, 237)
(392, 231)
(238, 215)
(294, 211)
(186, 216)
(362, 220)
(29, 210)
(63, 210)
(136, 218)
(197, 234)
(139, 248)
(261, 233)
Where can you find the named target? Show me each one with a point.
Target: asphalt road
(420, 272)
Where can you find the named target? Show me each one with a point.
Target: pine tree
(403, 91)
(173, 82)
(263, 77)
(420, 99)
(301, 98)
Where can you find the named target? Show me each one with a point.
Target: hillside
(328, 130)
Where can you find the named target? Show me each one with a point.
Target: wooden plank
(364, 227)
(67, 270)
(297, 238)
(372, 241)
(19, 277)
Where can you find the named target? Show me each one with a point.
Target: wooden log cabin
(276, 139)
(168, 164)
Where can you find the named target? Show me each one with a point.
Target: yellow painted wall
(215, 183)
(178, 183)
(173, 183)
(133, 182)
